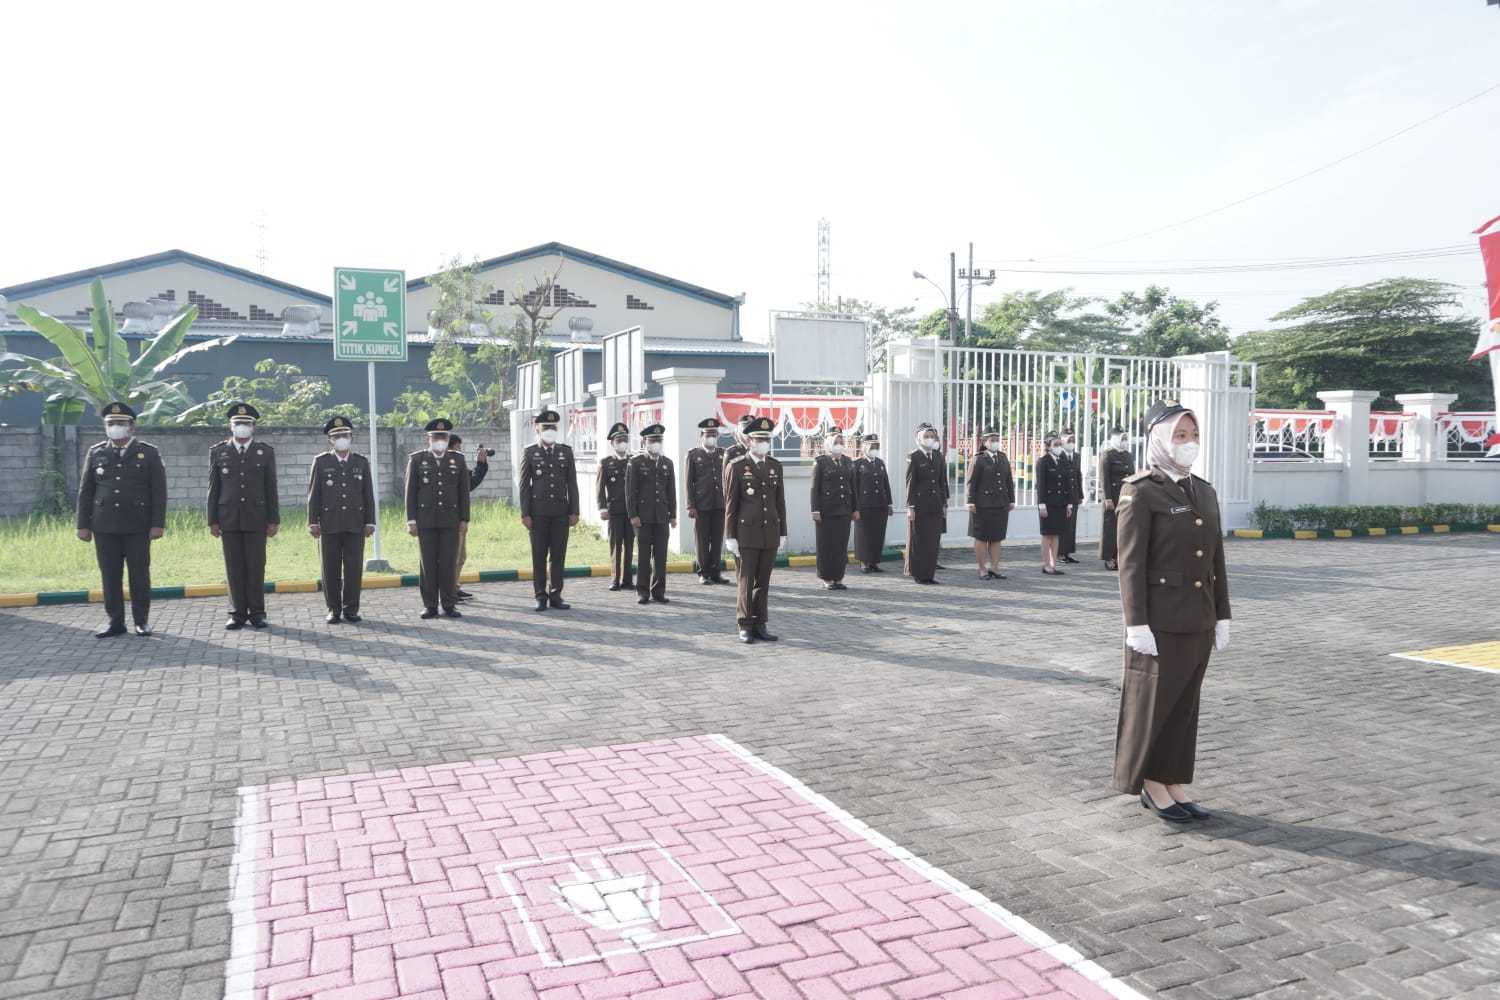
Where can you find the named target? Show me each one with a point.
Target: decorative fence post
(1348, 443)
(688, 395)
(1425, 440)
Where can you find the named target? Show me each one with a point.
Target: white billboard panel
(625, 362)
(568, 376)
(529, 385)
(818, 349)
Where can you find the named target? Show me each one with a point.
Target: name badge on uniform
(1180, 510)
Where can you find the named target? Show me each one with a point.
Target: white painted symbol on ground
(627, 905)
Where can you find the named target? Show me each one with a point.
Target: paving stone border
(1405, 529)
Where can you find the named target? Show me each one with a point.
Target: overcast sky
(705, 140)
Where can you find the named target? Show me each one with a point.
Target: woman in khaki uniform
(1176, 601)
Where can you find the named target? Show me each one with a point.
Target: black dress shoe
(663, 599)
(1194, 810)
(259, 623)
(876, 569)
(429, 613)
(763, 635)
(941, 566)
(558, 602)
(352, 616)
(333, 618)
(1053, 572)
(928, 583)
(1111, 564)
(110, 631)
(746, 635)
(541, 604)
(452, 613)
(867, 569)
(984, 575)
(143, 629)
(463, 595)
(721, 580)
(995, 576)
(839, 585)
(1173, 813)
(705, 581)
(233, 625)
(614, 586)
(643, 600)
(1069, 559)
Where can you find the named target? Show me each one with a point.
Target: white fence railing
(1388, 432)
(1301, 435)
(1289, 435)
(1465, 437)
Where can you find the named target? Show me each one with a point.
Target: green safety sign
(369, 315)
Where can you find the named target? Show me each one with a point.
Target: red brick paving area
(433, 882)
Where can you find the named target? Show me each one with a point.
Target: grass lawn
(43, 553)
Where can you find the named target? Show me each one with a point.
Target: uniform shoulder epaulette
(739, 458)
(1137, 477)
(96, 447)
(1200, 479)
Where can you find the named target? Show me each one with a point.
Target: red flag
(1489, 249)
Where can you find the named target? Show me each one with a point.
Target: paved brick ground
(1354, 854)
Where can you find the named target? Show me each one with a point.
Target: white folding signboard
(823, 349)
(568, 372)
(529, 385)
(625, 362)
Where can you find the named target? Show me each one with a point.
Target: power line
(1190, 261)
(1362, 260)
(1292, 180)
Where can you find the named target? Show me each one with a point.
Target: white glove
(781, 546)
(1140, 639)
(733, 545)
(1221, 635)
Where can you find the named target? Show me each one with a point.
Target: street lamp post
(947, 303)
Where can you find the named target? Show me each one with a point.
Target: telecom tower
(823, 280)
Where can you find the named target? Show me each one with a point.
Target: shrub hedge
(1313, 517)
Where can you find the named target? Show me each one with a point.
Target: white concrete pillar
(1423, 440)
(1348, 443)
(688, 395)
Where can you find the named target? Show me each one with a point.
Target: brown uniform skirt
(924, 537)
(988, 524)
(869, 534)
(1157, 737)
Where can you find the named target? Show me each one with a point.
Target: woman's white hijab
(1159, 446)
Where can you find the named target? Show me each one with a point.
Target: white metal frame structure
(790, 444)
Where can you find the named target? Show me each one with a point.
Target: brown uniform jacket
(437, 489)
(549, 481)
(991, 485)
(755, 502)
(1114, 467)
(651, 489)
(122, 490)
(833, 485)
(705, 479)
(340, 496)
(1171, 555)
(609, 494)
(242, 488)
(872, 484)
(927, 482)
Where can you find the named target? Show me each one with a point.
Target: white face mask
(621, 447)
(548, 436)
(438, 446)
(242, 432)
(836, 449)
(653, 447)
(872, 452)
(1068, 445)
(1185, 453)
(711, 443)
(342, 442)
(761, 448)
(992, 446)
(117, 432)
(1055, 450)
(930, 444)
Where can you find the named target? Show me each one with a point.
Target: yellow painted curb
(679, 567)
(1471, 656)
(296, 586)
(523, 574)
(1376, 531)
(17, 600)
(1439, 529)
(1342, 533)
(1494, 527)
(206, 590)
(382, 581)
(1249, 533)
(469, 576)
(601, 571)
(1300, 533)
(1410, 529)
(794, 561)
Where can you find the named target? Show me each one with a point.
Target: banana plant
(96, 367)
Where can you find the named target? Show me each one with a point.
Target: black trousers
(1108, 544)
(621, 549)
(869, 534)
(924, 539)
(245, 568)
(438, 575)
(651, 574)
(832, 532)
(1067, 544)
(708, 533)
(115, 553)
(343, 569)
(549, 540)
(752, 570)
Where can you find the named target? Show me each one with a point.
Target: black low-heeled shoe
(1173, 813)
(1194, 810)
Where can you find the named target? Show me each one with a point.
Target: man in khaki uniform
(341, 515)
(610, 499)
(651, 503)
(437, 511)
(755, 526)
(243, 512)
(549, 508)
(705, 501)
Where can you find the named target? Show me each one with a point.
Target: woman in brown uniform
(1115, 465)
(991, 496)
(926, 505)
(1176, 600)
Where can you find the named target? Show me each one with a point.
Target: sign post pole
(369, 325)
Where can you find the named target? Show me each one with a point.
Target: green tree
(1051, 321)
(1394, 335)
(280, 392)
(96, 367)
(1161, 325)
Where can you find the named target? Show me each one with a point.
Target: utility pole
(824, 268)
(971, 276)
(952, 296)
